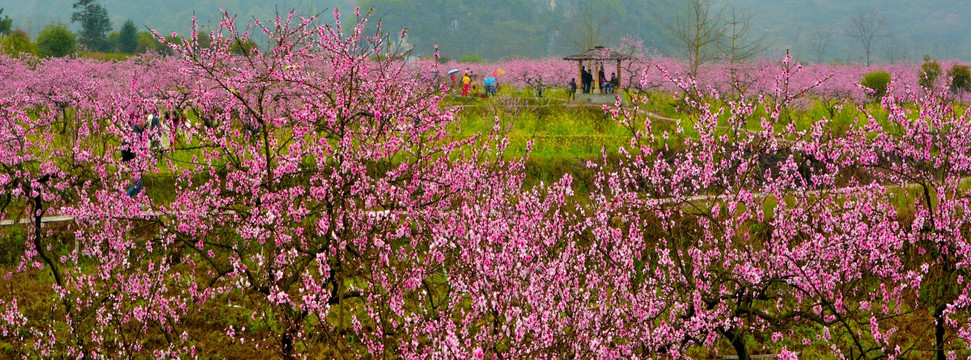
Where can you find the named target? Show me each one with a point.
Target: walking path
(659, 201)
(45, 219)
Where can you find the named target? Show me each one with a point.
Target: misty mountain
(813, 30)
(165, 16)
(521, 28)
(911, 29)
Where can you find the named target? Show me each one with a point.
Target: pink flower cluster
(313, 195)
(649, 71)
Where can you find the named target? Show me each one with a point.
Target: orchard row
(313, 201)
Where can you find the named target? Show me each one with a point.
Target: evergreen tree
(128, 38)
(6, 23)
(95, 24)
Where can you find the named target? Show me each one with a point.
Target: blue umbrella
(489, 81)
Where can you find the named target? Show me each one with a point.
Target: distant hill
(493, 29)
(519, 28)
(914, 27)
(490, 29)
(166, 16)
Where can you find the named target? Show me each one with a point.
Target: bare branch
(738, 42)
(590, 25)
(819, 39)
(865, 26)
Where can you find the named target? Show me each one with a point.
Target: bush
(876, 81)
(930, 70)
(960, 78)
(57, 41)
(111, 42)
(146, 43)
(17, 43)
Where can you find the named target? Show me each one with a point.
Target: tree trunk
(939, 333)
(738, 343)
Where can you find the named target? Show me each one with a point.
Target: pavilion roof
(597, 53)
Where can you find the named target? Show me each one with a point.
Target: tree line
(96, 35)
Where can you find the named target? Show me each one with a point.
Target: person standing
(176, 121)
(539, 86)
(128, 154)
(585, 79)
(601, 79)
(490, 84)
(466, 80)
(572, 89)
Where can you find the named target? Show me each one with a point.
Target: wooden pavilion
(594, 59)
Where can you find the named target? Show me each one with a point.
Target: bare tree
(819, 39)
(589, 24)
(697, 30)
(896, 48)
(942, 49)
(865, 26)
(738, 43)
(706, 33)
(633, 66)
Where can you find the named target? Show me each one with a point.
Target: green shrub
(960, 78)
(471, 58)
(16, 43)
(146, 42)
(57, 41)
(930, 70)
(111, 42)
(876, 81)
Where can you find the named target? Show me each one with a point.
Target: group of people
(586, 79)
(162, 132)
(471, 84)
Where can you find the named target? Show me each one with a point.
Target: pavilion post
(580, 72)
(596, 79)
(618, 77)
(596, 60)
